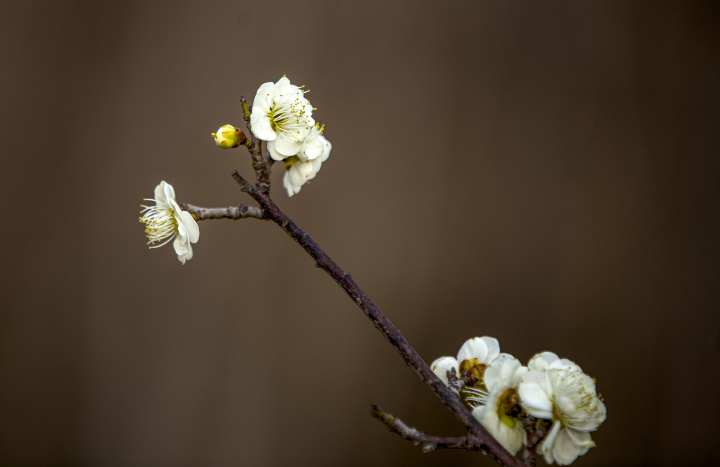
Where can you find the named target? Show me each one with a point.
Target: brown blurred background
(543, 172)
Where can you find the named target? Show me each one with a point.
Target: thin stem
(232, 212)
(429, 443)
(381, 322)
(262, 173)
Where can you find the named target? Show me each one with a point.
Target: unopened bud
(228, 137)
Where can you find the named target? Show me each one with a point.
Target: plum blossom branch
(428, 443)
(548, 408)
(381, 322)
(232, 212)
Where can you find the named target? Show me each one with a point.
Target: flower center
(508, 407)
(290, 113)
(160, 223)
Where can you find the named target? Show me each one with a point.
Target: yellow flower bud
(227, 137)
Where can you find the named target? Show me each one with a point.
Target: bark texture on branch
(231, 212)
(381, 322)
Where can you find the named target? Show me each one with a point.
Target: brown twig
(261, 171)
(428, 443)
(381, 322)
(231, 212)
(536, 430)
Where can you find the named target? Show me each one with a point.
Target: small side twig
(232, 212)
(428, 443)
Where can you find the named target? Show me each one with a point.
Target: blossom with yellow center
(282, 115)
(497, 408)
(564, 394)
(166, 221)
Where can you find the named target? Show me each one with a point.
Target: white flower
(476, 352)
(498, 408)
(166, 221)
(283, 116)
(564, 394)
(300, 171)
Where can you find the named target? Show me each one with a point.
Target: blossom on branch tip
(282, 115)
(166, 221)
(497, 405)
(562, 393)
(227, 137)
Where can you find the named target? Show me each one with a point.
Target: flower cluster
(166, 221)
(282, 116)
(502, 392)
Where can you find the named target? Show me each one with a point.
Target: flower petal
(300, 172)
(273, 153)
(473, 348)
(511, 439)
(442, 365)
(546, 445)
(500, 372)
(312, 148)
(181, 245)
(193, 231)
(570, 444)
(535, 396)
(283, 87)
(263, 98)
(493, 347)
(290, 187)
(565, 364)
(262, 128)
(160, 193)
(287, 146)
(188, 255)
(181, 230)
(326, 149)
(542, 361)
(169, 193)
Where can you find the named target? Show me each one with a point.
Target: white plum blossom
(556, 389)
(166, 221)
(299, 171)
(476, 352)
(497, 407)
(282, 116)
